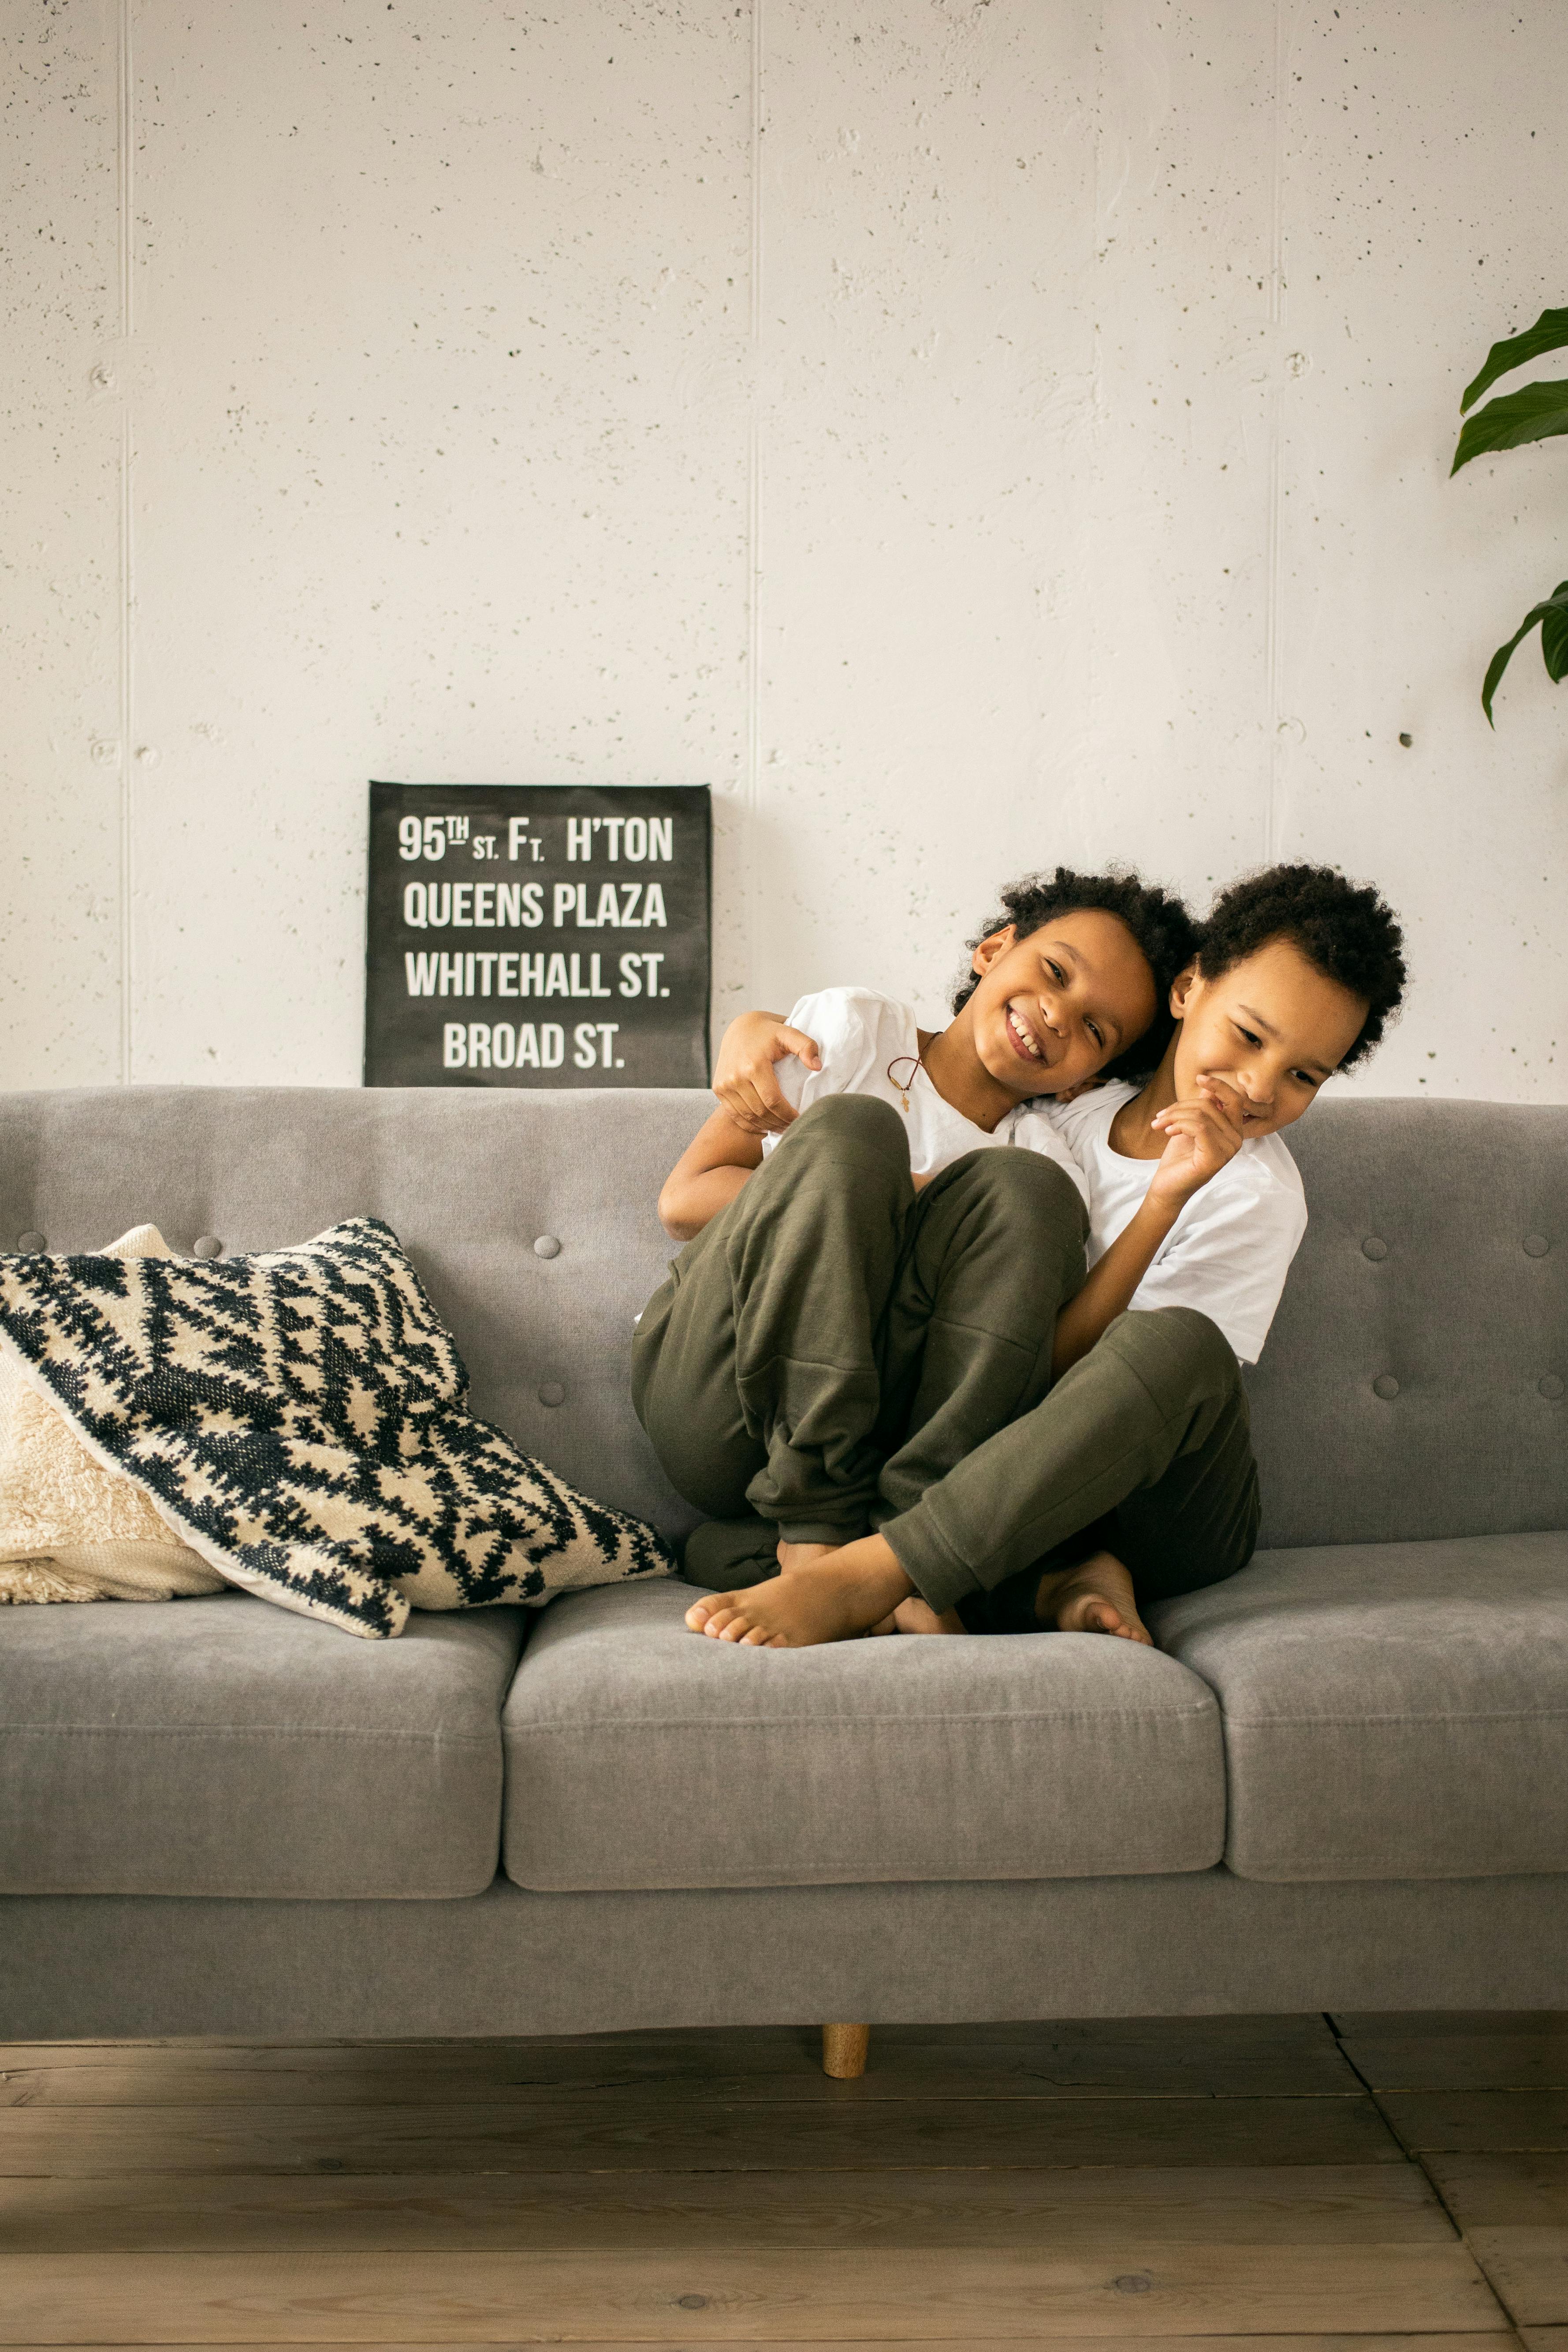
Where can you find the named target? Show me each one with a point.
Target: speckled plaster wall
(967, 432)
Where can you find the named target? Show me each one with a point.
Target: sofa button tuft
(1536, 1245)
(1373, 1249)
(1385, 1385)
(208, 1246)
(32, 1241)
(1551, 1386)
(547, 1246)
(552, 1392)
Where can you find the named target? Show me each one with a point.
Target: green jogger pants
(1143, 1447)
(836, 1352)
(835, 1341)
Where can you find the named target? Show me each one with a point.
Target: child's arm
(1203, 1135)
(707, 1176)
(744, 1076)
(718, 1161)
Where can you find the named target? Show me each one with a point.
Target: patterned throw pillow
(298, 1419)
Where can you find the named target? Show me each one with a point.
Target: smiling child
(858, 1310)
(1133, 1477)
(1068, 983)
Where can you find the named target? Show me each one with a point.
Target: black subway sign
(538, 935)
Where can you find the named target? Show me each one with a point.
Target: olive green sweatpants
(838, 1352)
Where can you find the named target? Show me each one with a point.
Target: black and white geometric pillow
(297, 1418)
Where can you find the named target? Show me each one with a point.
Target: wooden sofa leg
(843, 2049)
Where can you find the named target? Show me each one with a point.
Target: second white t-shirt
(1230, 1249)
(869, 1045)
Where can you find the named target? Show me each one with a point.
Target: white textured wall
(967, 432)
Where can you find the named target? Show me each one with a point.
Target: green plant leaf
(1553, 614)
(1550, 333)
(1534, 413)
(1554, 635)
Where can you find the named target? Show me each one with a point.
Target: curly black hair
(1344, 928)
(1158, 921)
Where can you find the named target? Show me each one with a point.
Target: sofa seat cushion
(639, 1755)
(225, 1747)
(1389, 1710)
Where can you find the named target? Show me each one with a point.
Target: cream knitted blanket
(71, 1529)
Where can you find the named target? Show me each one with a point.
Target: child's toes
(696, 1616)
(736, 1627)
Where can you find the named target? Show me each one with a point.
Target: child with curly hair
(1019, 1448)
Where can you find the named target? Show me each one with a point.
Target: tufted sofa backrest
(1413, 1384)
(479, 1186)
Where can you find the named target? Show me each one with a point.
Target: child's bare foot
(801, 1554)
(830, 1596)
(790, 1556)
(918, 1616)
(1096, 1597)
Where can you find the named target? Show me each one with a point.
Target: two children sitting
(895, 1364)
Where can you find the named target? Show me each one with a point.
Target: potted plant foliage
(1534, 414)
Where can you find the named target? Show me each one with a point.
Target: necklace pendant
(905, 1101)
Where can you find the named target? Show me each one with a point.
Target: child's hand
(1202, 1136)
(744, 1076)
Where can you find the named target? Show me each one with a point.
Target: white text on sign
(496, 1045)
(631, 840)
(520, 907)
(635, 838)
(485, 971)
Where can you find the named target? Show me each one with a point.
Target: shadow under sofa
(1340, 1783)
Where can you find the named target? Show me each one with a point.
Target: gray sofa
(1342, 1781)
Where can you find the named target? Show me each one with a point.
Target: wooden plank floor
(1482, 2103)
(1325, 2185)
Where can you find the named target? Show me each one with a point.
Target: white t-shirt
(862, 1037)
(1230, 1249)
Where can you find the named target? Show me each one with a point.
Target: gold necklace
(916, 1061)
